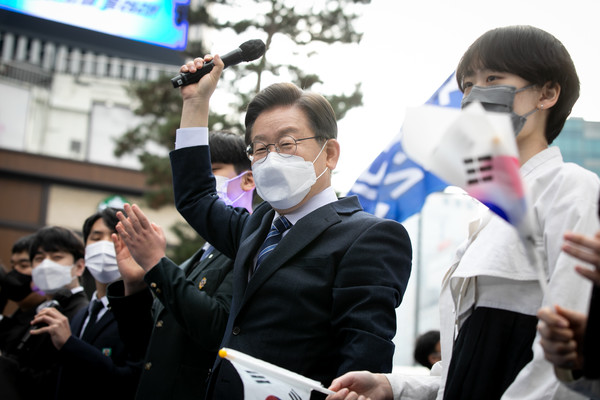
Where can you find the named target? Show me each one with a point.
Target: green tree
(302, 27)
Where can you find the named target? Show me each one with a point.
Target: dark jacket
(37, 358)
(323, 302)
(101, 367)
(186, 320)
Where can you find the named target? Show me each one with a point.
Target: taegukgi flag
(475, 150)
(395, 186)
(265, 381)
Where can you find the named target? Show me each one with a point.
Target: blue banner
(394, 186)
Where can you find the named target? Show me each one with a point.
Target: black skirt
(492, 347)
(591, 341)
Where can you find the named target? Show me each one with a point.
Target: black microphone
(25, 339)
(248, 51)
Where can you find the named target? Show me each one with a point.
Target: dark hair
(228, 148)
(22, 244)
(317, 109)
(56, 238)
(534, 55)
(424, 346)
(108, 215)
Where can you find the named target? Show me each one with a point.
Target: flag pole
(418, 273)
(272, 370)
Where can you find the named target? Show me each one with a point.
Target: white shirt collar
(104, 299)
(326, 196)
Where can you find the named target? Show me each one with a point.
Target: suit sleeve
(78, 354)
(369, 285)
(201, 312)
(197, 201)
(134, 317)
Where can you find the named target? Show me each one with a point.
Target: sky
(408, 50)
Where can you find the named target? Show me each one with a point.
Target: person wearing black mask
(15, 286)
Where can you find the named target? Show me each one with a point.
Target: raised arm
(196, 96)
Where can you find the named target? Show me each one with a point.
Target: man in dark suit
(56, 256)
(323, 301)
(190, 306)
(94, 361)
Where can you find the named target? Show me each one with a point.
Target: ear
(549, 95)
(332, 151)
(248, 182)
(79, 267)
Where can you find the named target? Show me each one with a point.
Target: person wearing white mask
(91, 341)
(57, 258)
(314, 292)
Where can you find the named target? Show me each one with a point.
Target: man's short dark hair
(317, 109)
(228, 148)
(56, 238)
(23, 244)
(424, 346)
(108, 215)
(534, 55)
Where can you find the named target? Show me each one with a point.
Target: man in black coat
(94, 360)
(189, 310)
(57, 258)
(322, 301)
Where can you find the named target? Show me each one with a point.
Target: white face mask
(101, 261)
(284, 181)
(51, 276)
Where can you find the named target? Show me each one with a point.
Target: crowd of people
(310, 282)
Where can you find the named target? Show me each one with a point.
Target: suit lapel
(106, 319)
(245, 257)
(298, 238)
(77, 322)
(190, 262)
(301, 234)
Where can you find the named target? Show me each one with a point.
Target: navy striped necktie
(280, 225)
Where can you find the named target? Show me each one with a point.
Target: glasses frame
(250, 152)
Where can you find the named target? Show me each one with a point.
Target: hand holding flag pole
(263, 380)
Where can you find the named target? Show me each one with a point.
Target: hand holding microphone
(53, 322)
(248, 51)
(25, 339)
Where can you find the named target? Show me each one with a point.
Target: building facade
(63, 100)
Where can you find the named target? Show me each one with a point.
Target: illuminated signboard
(160, 22)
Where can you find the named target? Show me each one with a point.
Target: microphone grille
(252, 49)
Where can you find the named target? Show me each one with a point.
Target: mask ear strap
(232, 202)
(322, 148)
(322, 173)
(525, 88)
(529, 113)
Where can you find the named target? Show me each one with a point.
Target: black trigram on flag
(258, 377)
(479, 169)
(294, 396)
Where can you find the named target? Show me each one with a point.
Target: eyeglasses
(285, 146)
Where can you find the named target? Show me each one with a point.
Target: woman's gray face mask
(498, 98)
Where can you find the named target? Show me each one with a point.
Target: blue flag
(394, 186)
